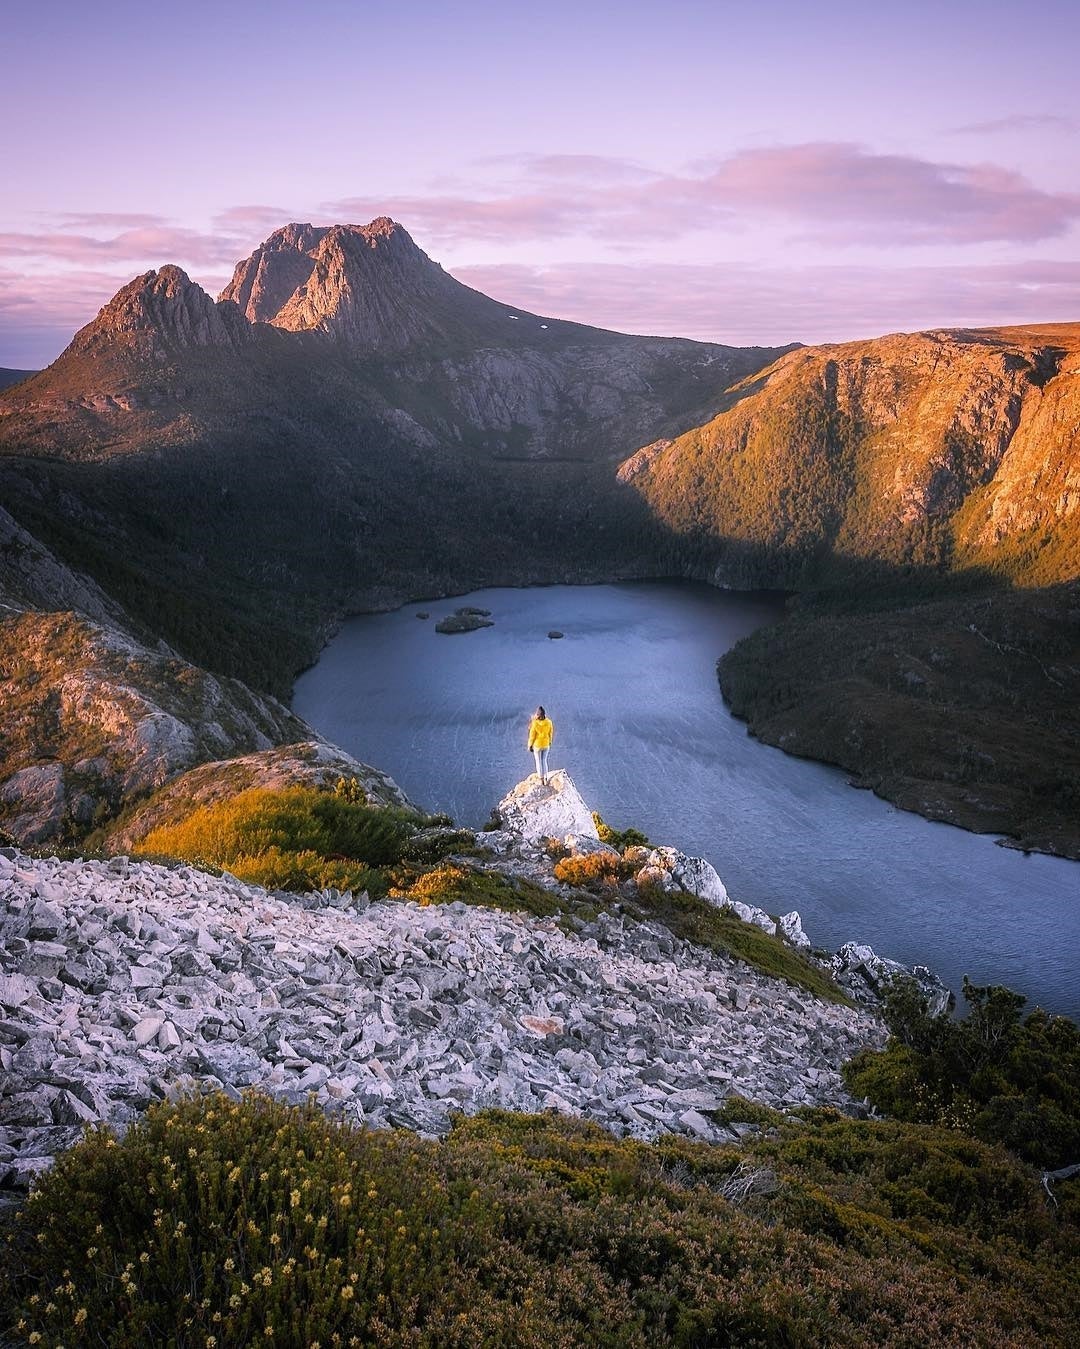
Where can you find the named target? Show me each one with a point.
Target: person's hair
(540, 712)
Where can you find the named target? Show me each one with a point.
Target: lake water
(642, 729)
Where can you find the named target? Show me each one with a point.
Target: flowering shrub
(594, 871)
(215, 1225)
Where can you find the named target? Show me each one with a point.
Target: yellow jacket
(541, 733)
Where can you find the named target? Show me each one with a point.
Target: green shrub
(220, 1224)
(996, 1074)
(620, 839)
(297, 839)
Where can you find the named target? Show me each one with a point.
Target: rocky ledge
(123, 982)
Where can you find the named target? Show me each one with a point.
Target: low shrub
(594, 871)
(215, 1224)
(619, 839)
(298, 838)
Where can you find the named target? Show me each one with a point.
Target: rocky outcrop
(262, 284)
(162, 311)
(308, 763)
(32, 577)
(858, 968)
(93, 719)
(535, 814)
(674, 870)
(122, 982)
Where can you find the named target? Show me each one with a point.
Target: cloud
(107, 220)
(572, 167)
(720, 303)
(836, 192)
(1017, 121)
(250, 220)
(846, 191)
(449, 219)
(155, 243)
(774, 306)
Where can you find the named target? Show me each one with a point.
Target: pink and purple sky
(761, 173)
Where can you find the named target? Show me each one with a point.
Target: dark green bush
(997, 1074)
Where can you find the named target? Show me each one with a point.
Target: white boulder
(674, 870)
(790, 926)
(534, 812)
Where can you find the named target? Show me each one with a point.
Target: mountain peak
(162, 309)
(369, 285)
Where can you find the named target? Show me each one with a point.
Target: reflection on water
(642, 729)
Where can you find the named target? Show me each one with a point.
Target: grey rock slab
(147, 1029)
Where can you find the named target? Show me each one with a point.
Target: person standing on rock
(541, 734)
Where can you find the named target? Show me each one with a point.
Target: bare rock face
(93, 718)
(163, 310)
(262, 284)
(31, 577)
(533, 812)
(369, 285)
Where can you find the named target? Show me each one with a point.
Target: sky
(766, 173)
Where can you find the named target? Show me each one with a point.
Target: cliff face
(941, 448)
(93, 719)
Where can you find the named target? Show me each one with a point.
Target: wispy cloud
(573, 167)
(1017, 121)
(724, 303)
(253, 220)
(107, 220)
(154, 243)
(838, 192)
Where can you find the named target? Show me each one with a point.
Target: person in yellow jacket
(541, 734)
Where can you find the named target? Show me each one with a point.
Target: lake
(642, 729)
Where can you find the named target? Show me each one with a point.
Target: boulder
(859, 969)
(790, 926)
(674, 870)
(535, 812)
(581, 846)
